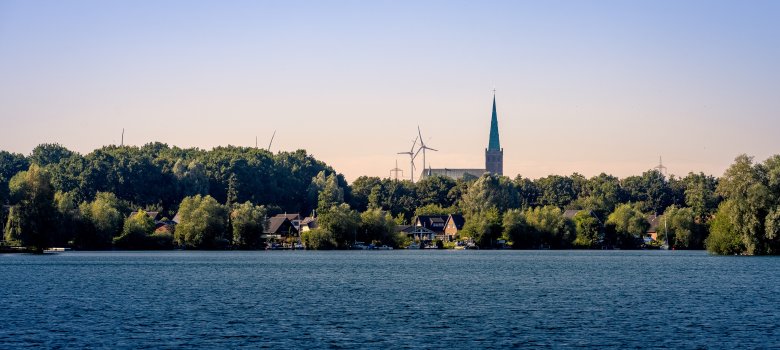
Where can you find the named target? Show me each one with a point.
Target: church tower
(494, 154)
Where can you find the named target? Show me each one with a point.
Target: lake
(389, 299)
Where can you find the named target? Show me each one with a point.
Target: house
(308, 223)
(652, 231)
(278, 227)
(434, 223)
(452, 226)
(295, 219)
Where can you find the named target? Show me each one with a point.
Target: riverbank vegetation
(56, 197)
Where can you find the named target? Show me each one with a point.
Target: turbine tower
(412, 155)
(423, 147)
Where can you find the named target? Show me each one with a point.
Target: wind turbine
(423, 147)
(412, 155)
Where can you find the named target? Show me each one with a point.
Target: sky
(581, 86)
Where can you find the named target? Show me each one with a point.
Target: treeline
(221, 194)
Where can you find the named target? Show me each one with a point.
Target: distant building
(295, 219)
(279, 226)
(652, 231)
(434, 223)
(151, 214)
(308, 223)
(452, 226)
(494, 157)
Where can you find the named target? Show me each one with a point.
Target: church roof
(494, 144)
(452, 173)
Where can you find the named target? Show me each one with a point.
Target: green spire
(494, 144)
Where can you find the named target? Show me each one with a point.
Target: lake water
(389, 299)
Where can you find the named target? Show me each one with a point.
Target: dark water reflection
(392, 299)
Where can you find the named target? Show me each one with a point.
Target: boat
(414, 246)
(359, 246)
(384, 247)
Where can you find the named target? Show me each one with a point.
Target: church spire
(494, 144)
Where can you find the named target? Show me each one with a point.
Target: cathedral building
(494, 156)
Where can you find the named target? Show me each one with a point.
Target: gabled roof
(151, 214)
(456, 219)
(654, 221)
(276, 225)
(176, 218)
(404, 228)
(290, 217)
(570, 213)
(430, 220)
(310, 222)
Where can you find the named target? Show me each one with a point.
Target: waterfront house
(151, 214)
(652, 231)
(295, 219)
(434, 223)
(279, 227)
(308, 223)
(452, 226)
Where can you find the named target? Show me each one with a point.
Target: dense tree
(556, 190)
(342, 222)
(490, 191)
(700, 195)
(433, 209)
(247, 221)
(31, 221)
(628, 224)
(361, 190)
(484, 229)
(553, 229)
(724, 237)
(517, 231)
(528, 191)
(103, 220)
(600, 194)
(202, 223)
(588, 229)
(377, 226)
(397, 197)
(135, 231)
(327, 191)
(192, 178)
(49, 153)
(10, 165)
(318, 239)
(679, 225)
(435, 190)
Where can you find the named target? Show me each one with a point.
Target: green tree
(484, 228)
(553, 229)
(103, 221)
(588, 229)
(700, 195)
(490, 191)
(361, 190)
(202, 223)
(377, 226)
(516, 230)
(10, 165)
(342, 222)
(248, 222)
(49, 153)
(556, 190)
(31, 223)
(135, 231)
(743, 184)
(327, 190)
(435, 190)
(629, 225)
(433, 209)
(724, 238)
(679, 225)
(318, 239)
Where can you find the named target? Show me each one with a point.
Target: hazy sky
(582, 86)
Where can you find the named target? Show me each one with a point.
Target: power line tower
(396, 170)
(660, 167)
